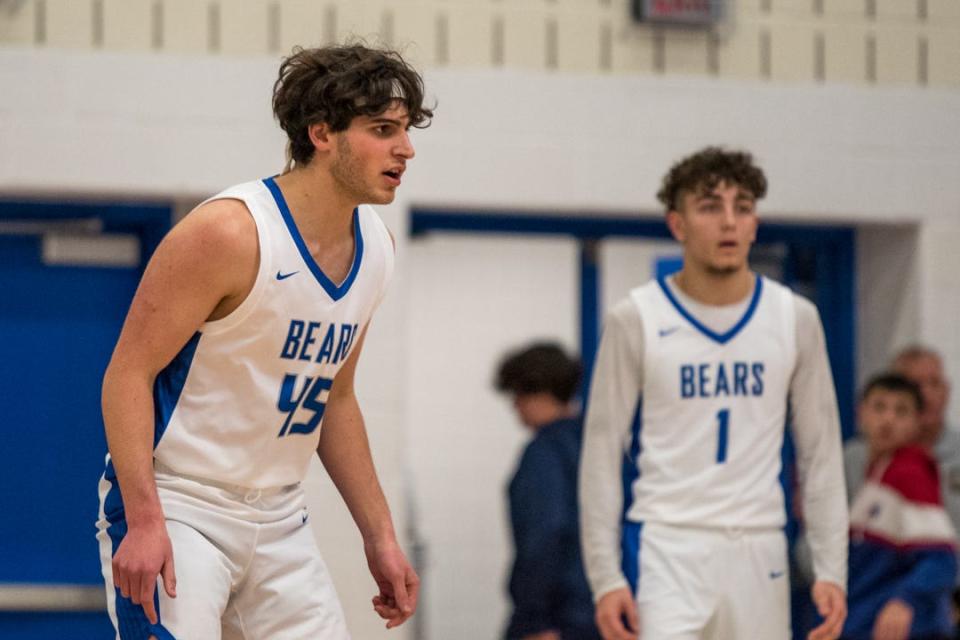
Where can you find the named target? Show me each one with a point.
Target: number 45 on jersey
(307, 398)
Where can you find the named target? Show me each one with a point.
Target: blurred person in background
(551, 599)
(710, 359)
(902, 544)
(924, 367)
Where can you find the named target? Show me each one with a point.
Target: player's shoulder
(805, 311)
(626, 313)
(802, 304)
(641, 296)
(218, 231)
(224, 223)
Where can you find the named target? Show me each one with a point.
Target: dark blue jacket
(547, 583)
(901, 546)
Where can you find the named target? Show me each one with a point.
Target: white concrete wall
(888, 269)
(470, 300)
(166, 125)
(86, 125)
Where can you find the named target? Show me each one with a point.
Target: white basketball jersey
(243, 401)
(713, 411)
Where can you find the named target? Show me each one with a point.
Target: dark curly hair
(703, 170)
(335, 84)
(540, 367)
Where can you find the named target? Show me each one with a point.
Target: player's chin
(726, 267)
(382, 196)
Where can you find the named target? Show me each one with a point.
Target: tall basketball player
(709, 360)
(236, 362)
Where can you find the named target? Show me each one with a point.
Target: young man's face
(716, 227)
(370, 156)
(888, 420)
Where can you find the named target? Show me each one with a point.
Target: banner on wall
(679, 12)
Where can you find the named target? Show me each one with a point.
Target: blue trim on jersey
(132, 622)
(630, 469)
(630, 533)
(722, 338)
(332, 290)
(168, 386)
(630, 558)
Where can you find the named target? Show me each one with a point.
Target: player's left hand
(831, 603)
(398, 582)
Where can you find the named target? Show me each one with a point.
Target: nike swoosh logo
(284, 276)
(776, 574)
(665, 332)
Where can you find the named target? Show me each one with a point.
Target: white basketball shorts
(246, 563)
(708, 584)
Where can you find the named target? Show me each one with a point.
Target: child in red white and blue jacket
(902, 546)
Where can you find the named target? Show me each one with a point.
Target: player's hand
(894, 620)
(831, 603)
(144, 553)
(617, 615)
(396, 579)
(544, 635)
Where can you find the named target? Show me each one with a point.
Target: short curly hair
(542, 367)
(335, 84)
(706, 168)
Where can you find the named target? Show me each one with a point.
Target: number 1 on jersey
(723, 417)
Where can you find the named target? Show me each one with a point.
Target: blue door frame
(58, 326)
(821, 258)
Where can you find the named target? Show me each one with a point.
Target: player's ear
(677, 225)
(320, 136)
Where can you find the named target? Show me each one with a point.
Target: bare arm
(345, 453)
(202, 269)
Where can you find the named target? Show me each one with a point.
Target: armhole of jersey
(249, 303)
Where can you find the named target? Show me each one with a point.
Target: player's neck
(715, 289)
(323, 214)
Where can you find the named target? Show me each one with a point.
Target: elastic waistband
(728, 531)
(248, 494)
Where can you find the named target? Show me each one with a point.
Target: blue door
(60, 315)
